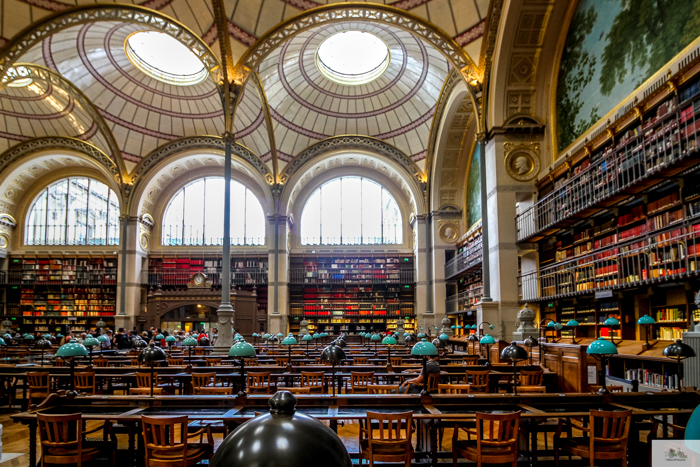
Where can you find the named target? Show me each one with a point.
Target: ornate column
(278, 263)
(134, 241)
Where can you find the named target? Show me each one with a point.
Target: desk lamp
(530, 343)
(602, 349)
(487, 341)
(679, 351)
(71, 350)
(557, 334)
(424, 349)
(646, 321)
(334, 355)
(389, 341)
(242, 349)
(151, 355)
(515, 354)
(376, 338)
(189, 343)
(610, 322)
(90, 342)
(480, 328)
(255, 338)
(289, 341)
(307, 338)
(444, 338)
(28, 339)
(169, 341)
(41, 344)
(409, 340)
(473, 339)
(280, 337)
(572, 323)
(102, 338)
(421, 334)
(159, 338)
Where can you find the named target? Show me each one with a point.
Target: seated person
(415, 385)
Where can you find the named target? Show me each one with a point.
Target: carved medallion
(522, 160)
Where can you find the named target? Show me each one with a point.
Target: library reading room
(320, 233)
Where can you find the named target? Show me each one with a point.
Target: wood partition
(569, 362)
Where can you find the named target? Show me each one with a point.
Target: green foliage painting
(474, 188)
(612, 47)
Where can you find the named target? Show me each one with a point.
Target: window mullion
(46, 222)
(204, 214)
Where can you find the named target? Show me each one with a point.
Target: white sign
(675, 452)
(592, 374)
(603, 294)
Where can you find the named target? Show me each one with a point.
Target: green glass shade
(453, 327)
(255, 334)
(241, 349)
(170, 339)
(72, 349)
(24, 336)
(420, 335)
(59, 336)
(491, 326)
(289, 340)
(279, 334)
(572, 323)
(160, 337)
(692, 431)
(2, 341)
(646, 319)
(558, 326)
(459, 326)
(487, 340)
(389, 340)
(375, 337)
(424, 348)
(90, 342)
(307, 337)
(612, 322)
(551, 324)
(7, 337)
(601, 346)
(190, 341)
(29, 337)
(102, 338)
(405, 334)
(443, 337)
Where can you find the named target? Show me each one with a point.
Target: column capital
(228, 137)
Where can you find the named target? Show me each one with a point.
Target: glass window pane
(113, 219)
(214, 212)
(194, 213)
(311, 220)
(97, 216)
(57, 207)
(351, 210)
(393, 229)
(36, 225)
(330, 213)
(254, 221)
(238, 196)
(172, 221)
(371, 213)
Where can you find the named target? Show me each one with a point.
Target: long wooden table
(429, 411)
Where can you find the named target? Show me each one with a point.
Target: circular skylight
(352, 57)
(164, 58)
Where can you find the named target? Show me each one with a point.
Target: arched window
(194, 216)
(74, 211)
(351, 211)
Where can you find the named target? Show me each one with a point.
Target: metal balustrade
(106, 276)
(661, 144)
(352, 309)
(470, 257)
(671, 253)
(356, 276)
(252, 276)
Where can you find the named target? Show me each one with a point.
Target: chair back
(60, 362)
(260, 382)
(213, 361)
(199, 350)
(609, 428)
(200, 380)
(470, 359)
(60, 434)
(299, 353)
(498, 431)
(162, 446)
(101, 362)
(176, 361)
(281, 361)
(135, 361)
(382, 388)
(272, 352)
(479, 380)
(216, 391)
(531, 377)
(354, 352)
(396, 361)
(312, 380)
(454, 388)
(38, 383)
(360, 361)
(143, 380)
(433, 381)
(85, 382)
(360, 381)
(389, 433)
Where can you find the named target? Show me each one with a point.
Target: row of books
(652, 378)
(670, 314)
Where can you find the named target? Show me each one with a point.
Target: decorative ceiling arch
(102, 138)
(359, 12)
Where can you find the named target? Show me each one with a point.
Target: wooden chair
(143, 380)
(213, 361)
(313, 380)
(282, 361)
(496, 445)
(272, 352)
(396, 361)
(471, 360)
(360, 361)
(63, 440)
(382, 388)
(454, 388)
(38, 385)
(176, 361)
(85, 382)
(135, 362)
(200, 380)
(215, 391)
(478, 379)
(199, 350)
(359, 382)
(607, 433)
(259, 383)
(100, 362)
(162, 448)
(355, 352)
(145, 391)
(294, 390)
(60, 362)
(386, 437)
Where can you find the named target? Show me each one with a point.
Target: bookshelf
(351, 293)
(463, 272)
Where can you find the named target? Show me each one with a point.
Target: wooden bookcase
(351, 294)
(464, 276)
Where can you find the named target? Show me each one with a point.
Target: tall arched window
(74, 211)
(194, 216)
(351, 211)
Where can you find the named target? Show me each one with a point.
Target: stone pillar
(278, 270)
(130, 260)
(445, 228)
(418, 223)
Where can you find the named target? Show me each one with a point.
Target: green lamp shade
(289, 340)
(255, 334)
(491, 326)
(612, 322)
(487, 340)
(279, 334)
(572, 323)
(459, 326)
(102, 338)
(72, 349)
(601, 346)
(443, 337)
(317, 336)
(241, 349)
(551, 324)
(237, 336)
(646, 319)
(375, 337)
(307, 337)
(2, 341)
(170, 339)
(59, 336)
(389, 340)
(7, 337)
(190, 341)
(692, 431)
(424, 348)
(405, 334)
(91, 342)
(29, 337)
(453, 327)
(160, 337)
(421, 335)
(558, 326)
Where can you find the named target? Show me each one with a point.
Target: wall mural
(612, 47)
(474, 188)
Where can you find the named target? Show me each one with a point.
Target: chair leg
(556, 456)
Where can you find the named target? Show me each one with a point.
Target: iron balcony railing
(672, 253)
(357, 276)
(660, 144)
(250, 276)
(106, 276)
(470, 257)
(352, 309)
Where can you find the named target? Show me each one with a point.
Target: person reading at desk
(415, 385)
